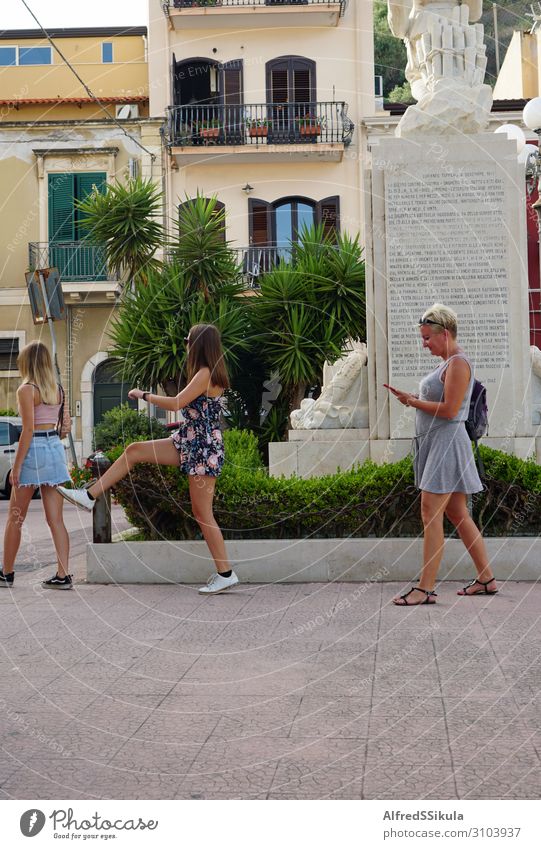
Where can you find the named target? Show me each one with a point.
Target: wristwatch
(143, 396)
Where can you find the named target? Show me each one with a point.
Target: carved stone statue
(446, 65)
(343, 402)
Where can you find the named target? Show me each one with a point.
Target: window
(9, 351)
(8, 55)
(35, 56)
(68, 251)
(107, 52)
(280, 223)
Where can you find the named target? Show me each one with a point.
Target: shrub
(8, 412)
(370, 501)
(123, 424)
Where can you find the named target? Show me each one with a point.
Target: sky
(67, 13)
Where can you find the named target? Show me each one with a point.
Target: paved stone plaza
(279, 692)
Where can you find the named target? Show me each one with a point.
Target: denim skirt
(45, 462)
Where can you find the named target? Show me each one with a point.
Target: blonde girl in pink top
(39, 461)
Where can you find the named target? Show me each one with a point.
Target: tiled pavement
(280, 692)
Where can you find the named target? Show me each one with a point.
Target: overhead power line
(84, 85)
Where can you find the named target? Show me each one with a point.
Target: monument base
(314, 453)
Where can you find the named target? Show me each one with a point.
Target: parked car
(10, 431)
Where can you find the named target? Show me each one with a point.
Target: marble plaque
(449, 239)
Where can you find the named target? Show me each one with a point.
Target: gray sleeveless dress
(443, 458)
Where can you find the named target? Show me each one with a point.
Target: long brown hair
(205, 349)
(36, 366)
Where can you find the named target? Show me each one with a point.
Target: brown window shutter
(301, 85)
(232, 82)
(328, 214)
(259, 214)
(279, 85)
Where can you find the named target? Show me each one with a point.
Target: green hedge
(372, 500)
(123, 424)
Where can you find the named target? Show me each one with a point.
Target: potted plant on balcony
(210, 129)
(257, 127)
(190, 4)
(309, 125)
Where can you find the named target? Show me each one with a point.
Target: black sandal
(483, 584)
(428, 594)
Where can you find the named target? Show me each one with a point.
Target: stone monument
(330, 432)
(445, 214)
(446, 65)
(446, 222)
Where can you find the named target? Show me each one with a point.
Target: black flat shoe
(484, 591)
(405, 603)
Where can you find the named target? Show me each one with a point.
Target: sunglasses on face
(423, 321)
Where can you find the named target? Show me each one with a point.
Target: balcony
(242, 14)
(272, 132)
(256, 260)
(82, 267)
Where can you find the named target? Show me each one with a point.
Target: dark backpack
(477, 421)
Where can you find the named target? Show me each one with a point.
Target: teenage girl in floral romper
(197, 446)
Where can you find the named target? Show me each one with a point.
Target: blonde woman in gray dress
(444, 464)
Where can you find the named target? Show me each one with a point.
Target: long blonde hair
(36, 366)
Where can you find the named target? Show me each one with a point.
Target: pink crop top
(45, 413)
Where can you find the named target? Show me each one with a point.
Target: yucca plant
(200, 246)
(149, 329)
(309, 307)
(126, 221)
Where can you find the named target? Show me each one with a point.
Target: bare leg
(160, 451)
(432, 511)
(53, 505)
(202, 495)
(20, 498)
(457, 512)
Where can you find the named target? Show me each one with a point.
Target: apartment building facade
(56, 144)
(262, 102)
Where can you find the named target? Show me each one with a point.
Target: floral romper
(199, 438)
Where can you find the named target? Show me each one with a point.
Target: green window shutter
(84, 186)
(61, 208)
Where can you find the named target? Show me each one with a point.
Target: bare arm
(457, 378)
(198, 385)
(25, 401)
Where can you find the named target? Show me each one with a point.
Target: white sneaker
(218, 583)
(79, 497)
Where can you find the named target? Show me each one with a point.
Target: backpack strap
(445, 364)
(61, 410)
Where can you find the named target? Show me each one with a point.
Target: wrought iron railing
(256, 260)
(191, 4)
(259, 124)
(76, 261)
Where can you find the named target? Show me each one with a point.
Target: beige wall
(344, 55)
(344, 71)
(519, 74)
(126, 76)
(314, 180)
